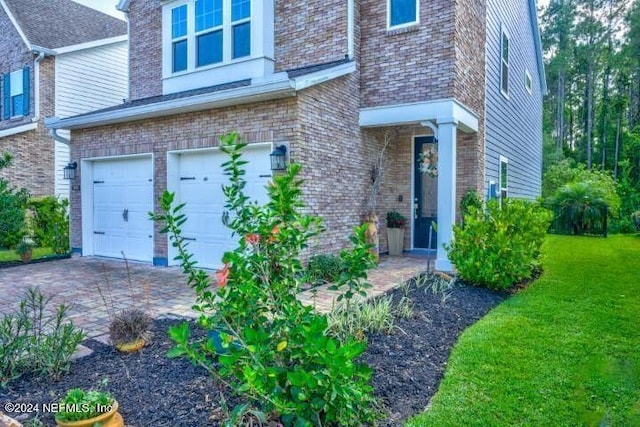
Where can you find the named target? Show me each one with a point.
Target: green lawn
(37, 253)
(564, 352)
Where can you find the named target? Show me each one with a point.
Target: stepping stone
(7, 421)
(80, 352)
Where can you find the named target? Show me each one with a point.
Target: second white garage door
(199, 178)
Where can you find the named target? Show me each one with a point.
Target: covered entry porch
(433, 156)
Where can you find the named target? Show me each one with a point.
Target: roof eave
(538, 44)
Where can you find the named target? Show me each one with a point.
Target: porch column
(447, 130)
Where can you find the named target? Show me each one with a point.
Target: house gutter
(351, 16)
(41, 52)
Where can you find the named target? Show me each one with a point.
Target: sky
(106, 6)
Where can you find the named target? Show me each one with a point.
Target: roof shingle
(58, 23)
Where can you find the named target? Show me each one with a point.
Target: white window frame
(528, 82)
(503, 34)
(406, 24)
(503, 161)
(258, 64)
(16, 88)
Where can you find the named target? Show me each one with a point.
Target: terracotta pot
(108, 419)
(395, 239)
(131, 347)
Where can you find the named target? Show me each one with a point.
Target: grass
(564, 352)
(10, 255)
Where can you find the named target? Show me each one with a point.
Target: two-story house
(59, 58)
(456, 87)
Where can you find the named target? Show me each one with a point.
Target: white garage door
(200, 178)
(122, 200)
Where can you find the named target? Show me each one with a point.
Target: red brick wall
(145, 49)
(408, 65)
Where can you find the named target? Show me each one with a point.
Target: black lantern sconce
(279, 158)
(70, 170)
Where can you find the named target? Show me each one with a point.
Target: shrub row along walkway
(164, 291)
(564, 352)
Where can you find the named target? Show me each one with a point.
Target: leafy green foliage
(356, 320)
(323, 268)
(50, 223)
(269, 347)
(12, 214)
(499, 246)
(583, 206)
(469, 200)
(78, 405)
(396, 220)
(33, 340)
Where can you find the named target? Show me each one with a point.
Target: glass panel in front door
(426, 192)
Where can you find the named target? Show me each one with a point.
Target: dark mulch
(47, 258)
(156, 391)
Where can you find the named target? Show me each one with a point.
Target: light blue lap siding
(513, 123)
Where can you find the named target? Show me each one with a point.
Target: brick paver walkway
(164, 291)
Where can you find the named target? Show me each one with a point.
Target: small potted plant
(129, 330)
(395, 232)
(25, 250)
(81, 408)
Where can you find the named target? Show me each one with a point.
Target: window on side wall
(528, 83)
(209, 32)
(504, 178)
(16, 94)
(504, 62)
(401, 13)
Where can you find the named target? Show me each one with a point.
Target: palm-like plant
(583, 205)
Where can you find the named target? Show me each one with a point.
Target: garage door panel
(201, 189)
(123, 196)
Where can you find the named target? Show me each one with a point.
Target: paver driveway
(164, 291)
(75, 281)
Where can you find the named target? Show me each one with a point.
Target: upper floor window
(207, 32)
(504, 63)
(16, 94)
(402, 13)
(504, 178)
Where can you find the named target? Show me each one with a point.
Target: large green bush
(323, 268)
(583, 206)
(499, 246)
(13, 203)
(264, 342)
(50, 222)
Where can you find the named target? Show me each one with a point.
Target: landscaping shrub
(469, 200)
(499, 246)
(78, 405)
(265, 343)
(12, 212)
(636, 220)
(583, 207)
(356, 320)
(35, 340)
(323, 268)
(50, 222)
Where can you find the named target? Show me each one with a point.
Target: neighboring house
(328, 79)
(59, 58)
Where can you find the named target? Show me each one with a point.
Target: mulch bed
(156, 391)
(47, 258)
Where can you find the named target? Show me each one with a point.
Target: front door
(425, 205)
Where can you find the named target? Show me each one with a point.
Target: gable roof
(53, 24)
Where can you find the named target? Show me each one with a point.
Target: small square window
(17, 105)
(179, 22)
(240, 9)
(208, 14)
(209, 48)
(402, 12)
(241, 40)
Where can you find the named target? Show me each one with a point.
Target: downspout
(351, 17)
(36, 86)
(55, 136)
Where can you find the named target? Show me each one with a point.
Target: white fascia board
(15, 23)
(440, 110)
(533, 11)
(224, 98)
(92, 44)
(18, 129)
(322, 76)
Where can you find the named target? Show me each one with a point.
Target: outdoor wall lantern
(70, 170)
(279, 158)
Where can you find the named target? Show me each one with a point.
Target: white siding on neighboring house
(87, 80)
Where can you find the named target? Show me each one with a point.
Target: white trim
(264, 91)
(322, 76)
(503, 33)
(86, 195)
(350, 28)
(18, 129)
(440, 110)
(406, 24)
(15, 23)
(528, 82)
(90, 45)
